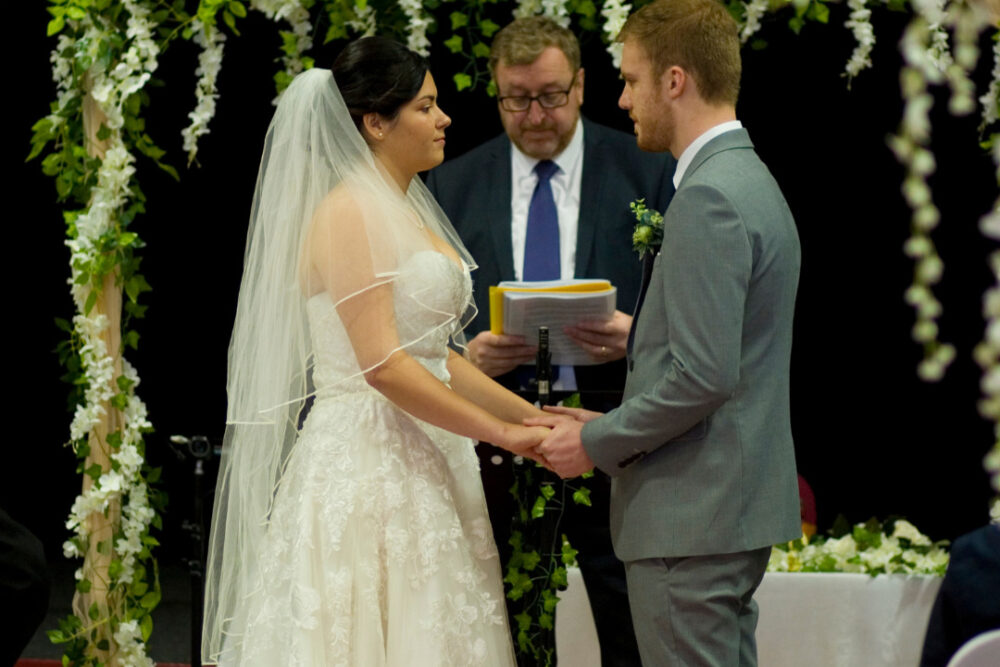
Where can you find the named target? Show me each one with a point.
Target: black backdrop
(870, 437)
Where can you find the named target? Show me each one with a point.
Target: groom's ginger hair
(699, 36)
(523, 40)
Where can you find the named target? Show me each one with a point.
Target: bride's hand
(523, 440)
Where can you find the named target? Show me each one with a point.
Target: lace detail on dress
(378, 550)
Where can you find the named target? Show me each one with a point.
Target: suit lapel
(497, 212)
(591, 186)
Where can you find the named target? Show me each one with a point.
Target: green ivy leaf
(488, 27)
(480, 50)
(546, 621)
(454, 44)
(458, 19)
(56, 636)
(582, 496)
(131, 339)
(84, 586)
(538, 509)
(230, 21)
(153, 476)
(531, 560)
(55, 25)
(146, 626)
(94, 471)
(150, 600)
(237, 8)
(462, 81)
(115, 569)
(94, 612)
(135, 286)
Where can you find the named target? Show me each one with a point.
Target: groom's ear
(579, 78)
(673, 82)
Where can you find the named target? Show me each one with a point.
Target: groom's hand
(604, 340)
(562, 449)
(579, 414)
(498, 354)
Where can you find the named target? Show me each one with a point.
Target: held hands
(498, 354)
(605, 340)
(524, 440)
(562, 450)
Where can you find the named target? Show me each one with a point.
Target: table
(815, 619)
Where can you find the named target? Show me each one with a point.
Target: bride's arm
(405, 382)
(476, 386)
(340, 258)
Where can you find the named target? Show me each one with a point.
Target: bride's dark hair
(378, 74)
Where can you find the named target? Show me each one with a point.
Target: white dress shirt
(566, 192)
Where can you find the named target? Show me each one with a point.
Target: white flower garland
(615, 12)
(922, 66)
(298, 18)
(419, 21)
(753, 11)
(990, 100)
(364, 25)
(526, 8)
(889, 554)
(860, 25)
(211, 40)
(557, 11)
(122, 483)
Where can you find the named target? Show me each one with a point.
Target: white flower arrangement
(990, 100)
(526, 8)
(865, 550)
(298, 18)
(859, 22)
(615, 14)
(122, 483)
(365, 23)
(753, 11)
(419, 21)
(557, 11)
(211, 40)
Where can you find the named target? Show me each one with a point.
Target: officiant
(549, 200)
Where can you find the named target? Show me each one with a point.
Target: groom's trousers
(696, 610)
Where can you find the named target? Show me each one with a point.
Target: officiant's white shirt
(566, 192)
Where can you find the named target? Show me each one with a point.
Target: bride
(349, 525)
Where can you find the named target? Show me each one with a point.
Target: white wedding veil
(326, 222)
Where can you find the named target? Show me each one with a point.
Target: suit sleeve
(703, 276)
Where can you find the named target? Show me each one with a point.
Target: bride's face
(414, 141)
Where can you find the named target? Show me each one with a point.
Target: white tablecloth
(814, 620)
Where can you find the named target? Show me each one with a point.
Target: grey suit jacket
(700, 450)
(475, 190)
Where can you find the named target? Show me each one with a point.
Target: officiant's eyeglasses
(552, 100)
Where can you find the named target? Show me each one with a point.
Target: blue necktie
(541, 244)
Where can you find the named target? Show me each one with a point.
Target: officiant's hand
(604, 340)
(498, 354)
(563, 451)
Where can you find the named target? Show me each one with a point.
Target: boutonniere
(648, 233)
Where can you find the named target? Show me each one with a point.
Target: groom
(700, 451)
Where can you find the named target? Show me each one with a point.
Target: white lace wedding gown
(379, 550)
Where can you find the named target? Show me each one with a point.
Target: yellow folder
(497, 292)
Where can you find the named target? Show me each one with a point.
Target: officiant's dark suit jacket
(475, 190)
(700, 451)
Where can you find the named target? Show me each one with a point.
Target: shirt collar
(688, 155)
